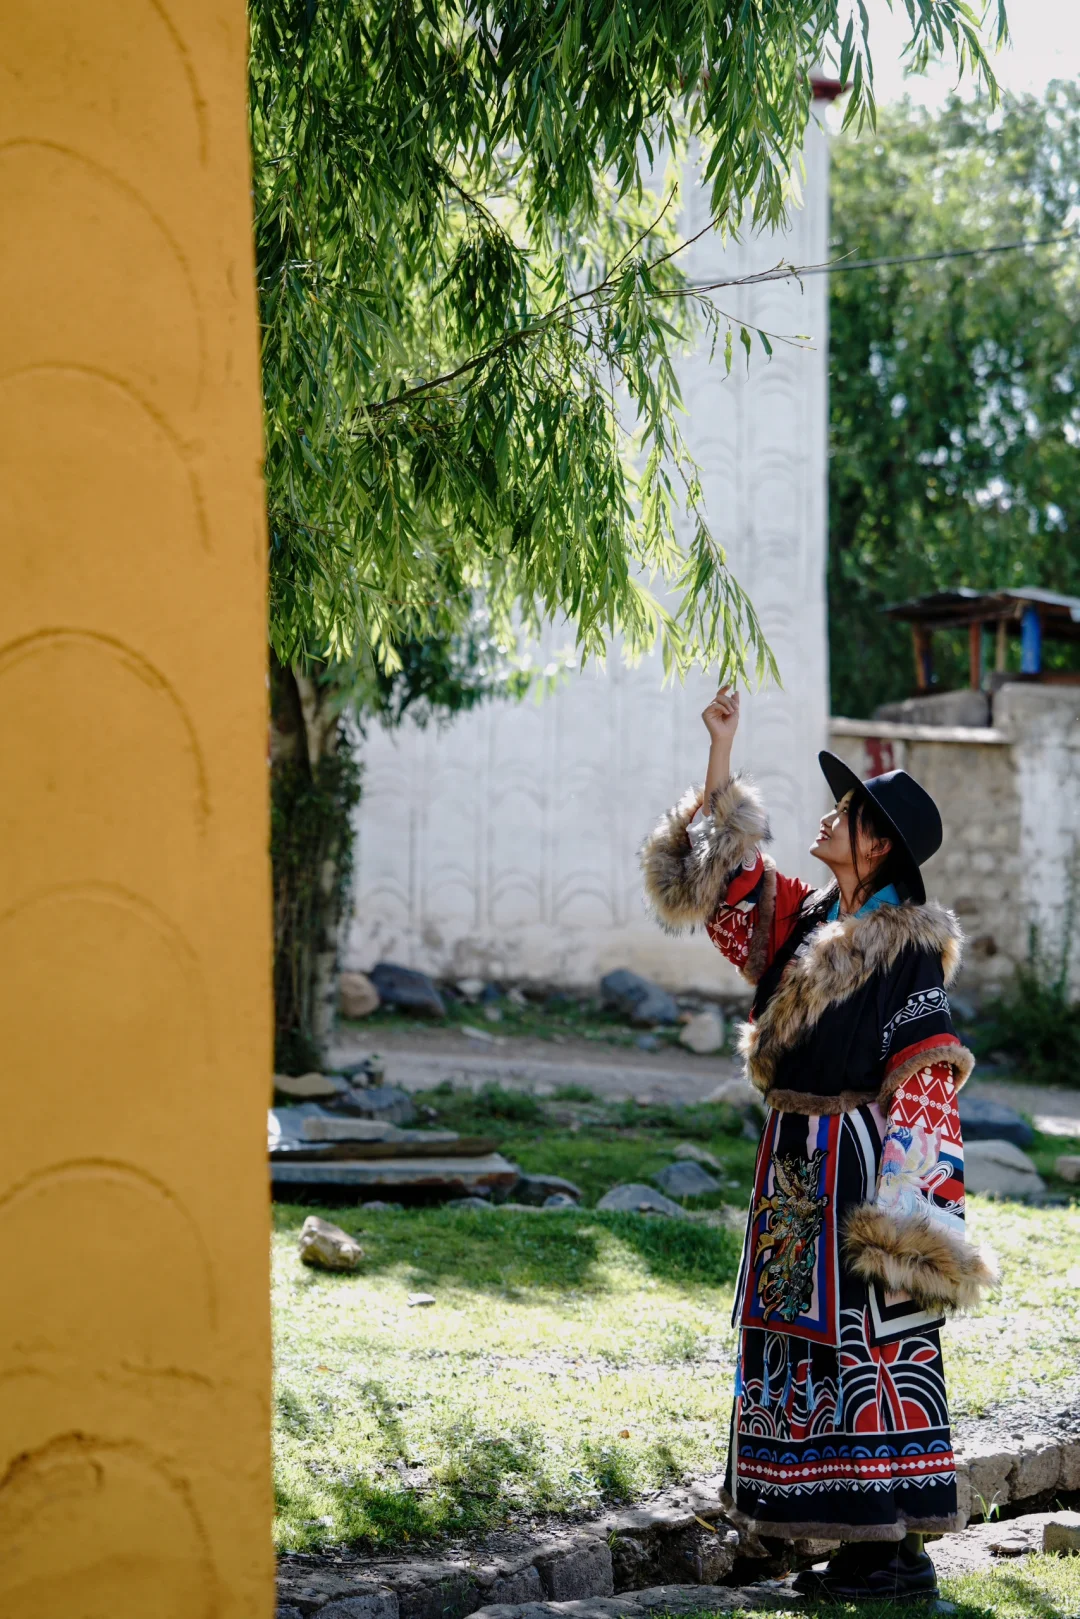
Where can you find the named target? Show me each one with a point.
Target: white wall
(506, 844)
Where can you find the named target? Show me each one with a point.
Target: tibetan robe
(855, 1247)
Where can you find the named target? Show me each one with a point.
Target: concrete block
(989, 1473)
(1070, 1464)
(522, 1585)
(584, 1570)
(369, 1605)
(1062, 1533)
(1038, 1468)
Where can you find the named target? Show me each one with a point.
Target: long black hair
(864, 815)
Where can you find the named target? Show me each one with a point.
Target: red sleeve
(756, 915)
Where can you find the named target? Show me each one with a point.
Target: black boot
(864, 1571)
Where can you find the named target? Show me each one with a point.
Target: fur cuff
(909, 1254)
(685, 882)
(959, 1058)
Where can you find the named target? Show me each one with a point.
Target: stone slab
(370, 1605)
(583, 1570)
(1038, 1468)
(1062, 1533)
(453, 1175)
(637, 1198)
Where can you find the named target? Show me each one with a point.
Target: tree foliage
(955, 385)
(463, 275)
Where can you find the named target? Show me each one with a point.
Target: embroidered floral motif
(796, 1213)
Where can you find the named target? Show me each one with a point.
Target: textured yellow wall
(134, 906)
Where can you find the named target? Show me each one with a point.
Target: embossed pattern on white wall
(506, 844)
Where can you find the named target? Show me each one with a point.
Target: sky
(1045, 45)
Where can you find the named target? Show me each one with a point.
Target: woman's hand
(722, 715)
(721, 721)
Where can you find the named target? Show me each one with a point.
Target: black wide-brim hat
(906, 808)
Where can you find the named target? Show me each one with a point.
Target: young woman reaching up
(855, 1246)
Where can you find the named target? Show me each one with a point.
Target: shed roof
(947, 609)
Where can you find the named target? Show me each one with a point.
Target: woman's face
(833, 843)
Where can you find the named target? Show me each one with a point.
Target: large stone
(703, 1033)
(325, 1127)
(636, 1198)
(327, 1246)
(697, 1155)
(1038, 1468)
(569, 1572)
(989, 1470)
(1070, 1465)
(983, 1120)
(1062, 1533)
(357, 996)
(1000, 1169)
(534, 1190)
(737, 1092)
(1068, 1167)
(306, 1087)
(381, 1604)
(511, 1585)
(444, 1177)
(446, 1590)
(385, 1102)
(640, 1001)
(406, 990)
(686, 1179)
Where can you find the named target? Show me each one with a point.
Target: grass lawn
(1030, 1588)
(571, 1358)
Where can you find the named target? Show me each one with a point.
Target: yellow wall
(134, 911)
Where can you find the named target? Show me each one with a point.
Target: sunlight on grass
(1030, 1588)
(570, 1359)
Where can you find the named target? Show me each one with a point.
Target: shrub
(1036, 1022)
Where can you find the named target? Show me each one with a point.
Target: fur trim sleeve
(686, 881)
(910, 1254)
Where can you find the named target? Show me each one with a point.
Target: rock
(384, 1102)
(639, 1000)
(327, 1247)
(482, 1035)
(364, 1071)
(306, 1087)
(697, 1155)
(377, 1207)
(452, 1177)
(1068, 1167)
(1038, 1468)
(584, 1570)
(433, 1590)
(536, 1189)
(988, 1472)
(647, 1042)
(419, 1300)
(517, 997)
(559, 1200)
(737, 1092)
(470, 989)
(287, 1612)
(321, 1127)
(636, 1198)
(1070, 1465)
(983, 1120)
(369, 1605)
(1000, 1169)
(686, 1179)
(470, 1203)
(1062, 1533)
(406, 990)
(704, 1033)
(357, 995)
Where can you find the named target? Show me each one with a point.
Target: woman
(855, 1243)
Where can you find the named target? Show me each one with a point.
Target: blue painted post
(1030, 642)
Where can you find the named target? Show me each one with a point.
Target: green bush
(1035, 1022)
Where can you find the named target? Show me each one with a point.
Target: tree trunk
(314, 787)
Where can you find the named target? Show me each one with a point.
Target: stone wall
(1009, 796)
(506, 844)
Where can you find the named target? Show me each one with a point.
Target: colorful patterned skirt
(848, 1443)
(840, 1424)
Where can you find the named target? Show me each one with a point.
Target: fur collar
(836, 961)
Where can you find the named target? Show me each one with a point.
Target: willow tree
(471, 300)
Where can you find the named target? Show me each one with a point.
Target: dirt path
(422, 1058)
